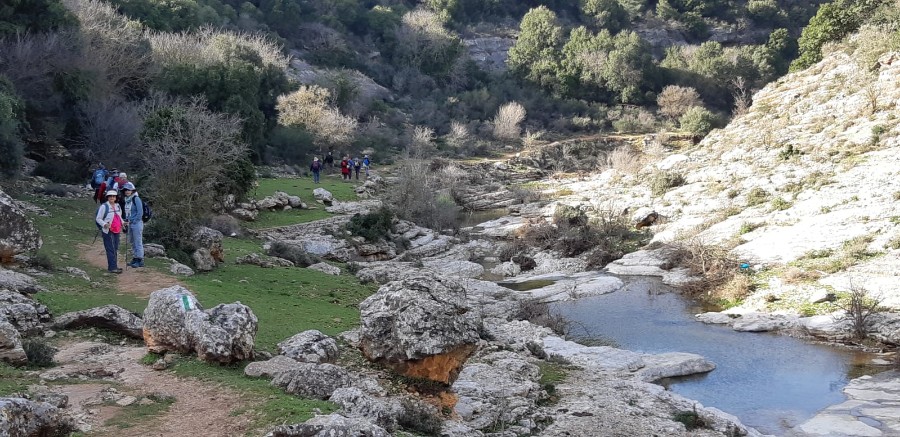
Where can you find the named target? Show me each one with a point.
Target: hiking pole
(95, 237)
(126, 248)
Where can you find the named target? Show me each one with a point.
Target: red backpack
(100, 195)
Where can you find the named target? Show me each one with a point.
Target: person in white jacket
(109, 220)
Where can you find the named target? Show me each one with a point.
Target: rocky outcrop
(203, 260)
(870, 410)
(499, 388)
(209, 252)
(21, 417)
(17, 233)
(175, 321)
(382, 411)
(152, 250)
(19, 282)
(313, 381)
(310, 347)
(332, 425)
(268, 262)
(489, 52)
(27, 315)
(112, 317)
(11, 345)
(326, 268)
(421, 326)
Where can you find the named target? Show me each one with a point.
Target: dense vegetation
(153, 84)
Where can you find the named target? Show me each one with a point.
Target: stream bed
(770, 382)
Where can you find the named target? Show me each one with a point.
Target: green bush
(690, 419)
(757, 196)
(39, 353)
(419, 417)
(374, 226)
(293, 253)
(663, 181)
(832, 22)
(698, 121)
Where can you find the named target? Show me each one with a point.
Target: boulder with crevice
(420, 326)
(19, 282)
(211, 240)
(17, 232)
(313, 381)
(310, 347)
(501, 387)
(23, 418)
(112, 317)
(27, 315)
(175, 321)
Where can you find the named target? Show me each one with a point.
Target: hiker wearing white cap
(134, 222)
(315, 168)
(109, 221)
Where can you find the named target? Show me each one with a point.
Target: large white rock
(17, 233)
(310, 347)
(11, 345)
(21, 417)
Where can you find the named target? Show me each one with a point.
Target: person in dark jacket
(315, 168)
(329, 162)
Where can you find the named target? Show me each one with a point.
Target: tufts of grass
(150, 358)
(779, 204)
(690, 419)
(748, 227)
(851, 253)
(757, 196)
(136, 413)
(663, 181)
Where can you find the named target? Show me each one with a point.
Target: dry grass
(796, 275)
(625, 160)
(712, 263)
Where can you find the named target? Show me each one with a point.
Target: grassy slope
(286, 300)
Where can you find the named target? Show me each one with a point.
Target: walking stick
(95, 237)
(126, 248)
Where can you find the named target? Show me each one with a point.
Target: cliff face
(810, 172)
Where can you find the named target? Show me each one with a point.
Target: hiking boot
(137, 262)
(116, 271)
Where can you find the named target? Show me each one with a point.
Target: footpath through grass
(286, 300)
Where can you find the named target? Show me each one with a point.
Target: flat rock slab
(571, 287)
(111, 317)
(872, 409)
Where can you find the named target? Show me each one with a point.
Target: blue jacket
(137, 210)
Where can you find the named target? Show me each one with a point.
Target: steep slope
(808, 177)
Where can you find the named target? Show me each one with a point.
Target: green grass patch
(268, 404)
(13, 380)
(757, 196)
(851, 253)
(302, 187)
(136, 413)
(779, 204)
(552, 373)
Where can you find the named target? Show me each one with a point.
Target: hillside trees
(832, 22)
(10, 119)
(534, 55)
(24, 16)
(310, 108)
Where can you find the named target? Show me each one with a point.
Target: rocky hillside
(804, 183)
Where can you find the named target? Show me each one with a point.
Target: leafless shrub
(420, 142)
(625, 160)
(28, 60)
(539, 313)
(506, 123)
(109, 129)
(675, 100)
(741, 95)
(532, 139)
(186, 151)
(205, 47)
(858, 307)
(871, 92)
(309, 107)
(115, 45)
(712, 263)
(421, 195)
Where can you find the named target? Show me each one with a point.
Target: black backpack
(147, 213)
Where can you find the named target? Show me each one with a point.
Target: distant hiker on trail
(329, 162)
(366, 163)
(357, 164)
(345, 168)
(315, 168)
(109, 221)
(98, 182)
(134, 224)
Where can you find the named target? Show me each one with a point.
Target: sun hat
(112, 193)
(123, 175)
(128, 186)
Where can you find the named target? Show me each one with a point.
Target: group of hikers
(120, 210)
(348, 166)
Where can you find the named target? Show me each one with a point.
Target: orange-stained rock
(441, 368)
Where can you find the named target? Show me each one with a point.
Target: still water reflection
(770, 382)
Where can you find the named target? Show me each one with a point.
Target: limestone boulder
(246, 215)
(310, 347)
(180, 269)
(21, 417)
(460, 269)
(271, 368)
(11, 345)
(326, 268)
(112, 317)
(19, 282)
(27, 315)
(323, 196)
(313, 381)
(296, 202)
(263, 261)
(153, 250)
(203, 260)
(211, 240)
(499, 388)
(17, 232)
(332, 425)
(381, 411)
(421, 326)
(175, 321)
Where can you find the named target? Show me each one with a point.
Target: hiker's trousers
(111, 244)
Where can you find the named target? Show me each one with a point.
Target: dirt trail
(200, 409)
(140, 282)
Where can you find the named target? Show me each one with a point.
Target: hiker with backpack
(109, 222)
(315, 168)
(357, 165)
(329, 162)
(345, 168)
(366, 162)
(98, 182)
(134, 224)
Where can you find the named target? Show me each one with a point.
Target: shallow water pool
(770, 382)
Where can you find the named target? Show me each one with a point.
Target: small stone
(160, 364)
(126, 401)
